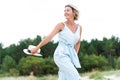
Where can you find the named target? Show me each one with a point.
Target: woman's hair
(75, 10)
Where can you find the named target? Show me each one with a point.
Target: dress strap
(64, 23)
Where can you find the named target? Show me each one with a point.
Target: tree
(98, 45)
(109, 50)
(84, 46)
(92, 49)
(1, 53)
(8, 63)
(11, 51)
(116, 45)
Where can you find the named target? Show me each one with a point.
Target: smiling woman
(69, 35)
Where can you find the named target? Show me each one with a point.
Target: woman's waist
(65, 43)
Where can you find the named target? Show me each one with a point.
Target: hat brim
(28, 53)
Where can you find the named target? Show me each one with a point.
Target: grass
(49, 77)
(100, 75)
(112, 72)
(96, 75)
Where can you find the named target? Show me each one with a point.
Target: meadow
(95, 75)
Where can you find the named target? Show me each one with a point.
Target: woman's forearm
(44, 42)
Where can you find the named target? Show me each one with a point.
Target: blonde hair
(75, 10)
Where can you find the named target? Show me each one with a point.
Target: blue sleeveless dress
(65, 55)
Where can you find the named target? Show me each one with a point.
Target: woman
(65, 55)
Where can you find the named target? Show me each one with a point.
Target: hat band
(29, 51)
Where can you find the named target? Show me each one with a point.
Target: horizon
(55, 40)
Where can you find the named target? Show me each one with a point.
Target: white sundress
(65, 55)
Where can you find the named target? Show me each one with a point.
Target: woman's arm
(77, 46)
(57, 29)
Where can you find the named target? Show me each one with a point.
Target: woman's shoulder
(79, 25)
(80, 28)
(60, 25)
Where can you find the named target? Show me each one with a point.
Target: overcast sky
(21, 19)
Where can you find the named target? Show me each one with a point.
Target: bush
(14, 72)
(37, 65)
(118, 63)
(8, 63)
(103, 63)
(48, 66)
(29, 64)
(94, 62)
(96, 75)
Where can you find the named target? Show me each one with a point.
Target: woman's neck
(70, 22)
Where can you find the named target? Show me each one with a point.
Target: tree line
(96, 54)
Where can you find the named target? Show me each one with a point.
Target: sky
(22, 19)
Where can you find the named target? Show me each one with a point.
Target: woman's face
(68, 13)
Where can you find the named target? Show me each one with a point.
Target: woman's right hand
(34, 50)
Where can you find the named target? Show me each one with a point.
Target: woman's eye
(67, 10)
